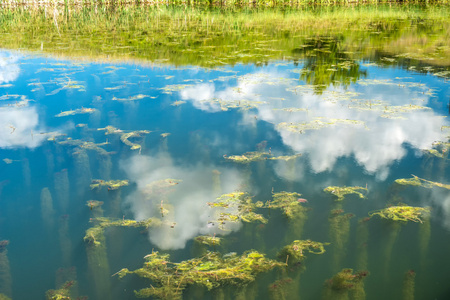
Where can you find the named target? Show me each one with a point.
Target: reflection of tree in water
(326, 63)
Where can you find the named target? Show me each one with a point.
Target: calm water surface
(183, 124)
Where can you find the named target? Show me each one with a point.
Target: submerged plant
(279, 289)
(236, 206)
(339, 235)
(111, 184)
(341, 191)
(408, 285)
(5, 270)
(94, 235)
(63, 293)
(126, 136)
(343, 283)
(211, 271)
(248, 157)
(345, 279)
(83, 110)
(160, 187)
(208, 240)
(416, 181)
(289, 202)
(296, 251)
(402, 213)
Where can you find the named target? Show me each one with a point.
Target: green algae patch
(94, 235)
(345, 280)
(94, 204)
(126, 136)
(208, 240)
(408, 287)
(235, 207)
(63, 293)
(285, 157)
(111, 184)
(248, 157)
(296, 251)
(341, 191)
(161, 187)
(403, 213)
(416, 181)
(211, 271)
(288, 202)
(78, 111)
(316, 124)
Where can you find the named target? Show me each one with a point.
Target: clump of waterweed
(208, 240)
(296, 251)
(288, 202)
(341, 191)
(211, 271)
(111, 184)
(346, 280)
(402, 213)
(236, 206)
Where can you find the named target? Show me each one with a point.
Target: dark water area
(180, 137)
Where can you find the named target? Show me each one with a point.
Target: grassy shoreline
(208, 3)
(214, 37)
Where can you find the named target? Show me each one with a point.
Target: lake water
(177, 133)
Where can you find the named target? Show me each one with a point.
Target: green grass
(214, 37)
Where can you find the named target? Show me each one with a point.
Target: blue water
(44, 250)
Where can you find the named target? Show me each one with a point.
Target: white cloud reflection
(187, 201)
(375, 144)
(9, 68)
(19, 127)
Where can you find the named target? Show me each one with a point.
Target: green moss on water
(341, 191)
(95, 237)
(289, 203)
(236, 206)
(297, 250)
(403, 213)
(212, 270)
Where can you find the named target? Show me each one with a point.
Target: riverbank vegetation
(405, 35)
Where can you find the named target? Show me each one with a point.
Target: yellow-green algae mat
(211, 271)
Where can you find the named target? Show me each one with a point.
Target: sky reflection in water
(365, 131)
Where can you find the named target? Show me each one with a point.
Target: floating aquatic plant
(111, 184)
(94, 204)
(416, 181)
(133, 98)
(296, 251)
(63, 293)
(288, 202)
(285, 157)
(208, 240)
(138, 133)
(316, 124)
(402, 213)
(341, 191)
(84, 145)
(94, 234)
(248, 157)
(83, 110)
(160, 187)
(125, 136)
(211, 271)
(236, 206)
